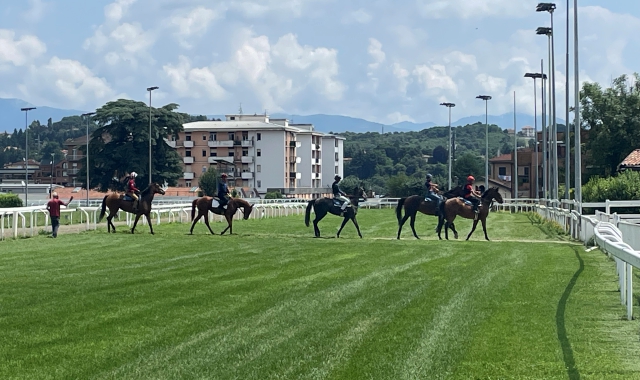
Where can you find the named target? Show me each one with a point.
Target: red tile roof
(502, 157)
(633, 159)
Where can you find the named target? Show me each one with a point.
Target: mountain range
(12, 118)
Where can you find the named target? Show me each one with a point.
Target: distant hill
(12, 118)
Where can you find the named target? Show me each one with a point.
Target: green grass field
(273, 303)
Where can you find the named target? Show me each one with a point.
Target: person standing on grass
(53, 206)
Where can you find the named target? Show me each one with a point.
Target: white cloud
(475, 9)
(434, 77)
(193, 82)
(408, 37)
(19, 52)
(36, 11)
(397, 117)
(115, 11)
(260, 8)
(359, 16)
(402, 76)
(69, 81)
(375, 51)
(491, 84)
(193, 23)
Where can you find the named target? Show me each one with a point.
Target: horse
(206, 204)
(416, 203)
(458, 206)
(116, 201)
(322, 206)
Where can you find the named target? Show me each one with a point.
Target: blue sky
(384, 61)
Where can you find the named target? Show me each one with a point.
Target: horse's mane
(486, 192)
(146, 191)
(241, 201)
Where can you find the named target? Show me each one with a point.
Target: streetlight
(449, 105)
(26, 153)
(547, 137)
(550, 7)
(88, 187)
(578, 130)
(486, 99)
(150, 89)
(567, 154)
(535, 122)
(51, 189)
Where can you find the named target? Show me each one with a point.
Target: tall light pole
(578, 129)
(486, 99)
(449, 106)
(535, 123)
(51, 188)
(550, 136)
(87, 115)
(150, 89)
(515, 148)
(567, 154)
(545, 169)
(550, 7)
(26, 153)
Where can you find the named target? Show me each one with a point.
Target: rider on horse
(132, 190)
(471, 195)
(339, 194)
(223, 191)
(432, 189)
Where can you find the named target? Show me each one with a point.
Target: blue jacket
(223, 189)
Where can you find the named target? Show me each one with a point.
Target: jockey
(223, 191)
(132, 190)
(432, 194)
(339, 194)
(471, 195)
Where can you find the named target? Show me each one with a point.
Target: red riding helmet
(224, 175)
(470, 178)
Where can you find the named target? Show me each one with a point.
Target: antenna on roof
(265, 112)
(240, 109)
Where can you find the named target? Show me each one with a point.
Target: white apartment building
(259, 154)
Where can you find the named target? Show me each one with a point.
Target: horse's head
(246, 210)
(360, 192)
(492, 194)
(157, 189)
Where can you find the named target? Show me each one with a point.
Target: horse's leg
(453, 228)
(439, 227)
(148, 215)
(484, 228)
(412, 223)
(229, 221)
(206, 221)
(109, 224)
(402, 222)
(135, 222)
(355, 222)
(319, 216)
(344, 221)
(446, 229)
(194, 222)
(475, 223)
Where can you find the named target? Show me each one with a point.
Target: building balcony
(73, 171)
(336, 149)
(295, 144)
(188, 144)
(316, 146)
(216, 144)
(171, 143)
(187, 160)
(188, 175)
(247, 175)
(247, 143)
(294, 159)
(216, 159)
(295, 175)
(316, 176)
(76, 157)
(247, 159)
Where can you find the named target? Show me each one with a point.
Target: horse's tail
(399, 209)
(442, 208)
(193, 208)
(307, 215)
(104, 208)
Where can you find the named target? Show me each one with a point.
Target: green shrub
(273, 195)
(624, 186)
(10, 200)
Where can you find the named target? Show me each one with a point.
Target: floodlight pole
(486, 99)
(26, 153)
(150, 89)
(449, 106)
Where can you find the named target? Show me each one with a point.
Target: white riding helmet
(133, 174)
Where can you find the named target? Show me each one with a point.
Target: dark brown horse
(323, 206)
(205, 204)
(116, 201)
(457, 206)
(416, 203)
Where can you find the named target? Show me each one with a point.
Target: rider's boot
(135, 206)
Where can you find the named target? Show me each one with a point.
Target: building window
(213, 153)
(502, 170)
(336, 170)
(232, 118)
(204, 153)
(259, 153)
(259, 184)
(188, 184)
(187, 153)
(245, 135)
(259, 136)
(187, 137)
(212, 136)
(245, 152)
(230, 153)
(232, 136)
(204, 169)
(204, 137)
(336, 142)
(259, 168)
(337, 159)
(526, 171)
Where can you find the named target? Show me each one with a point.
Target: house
(631, 162)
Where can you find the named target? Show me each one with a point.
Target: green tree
(440, 155)
(208, 182)
(120, 143)
(468, 164)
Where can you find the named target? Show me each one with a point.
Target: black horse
(416, 203)
(322, 206)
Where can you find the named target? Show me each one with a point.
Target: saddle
(468, 203)
(126, 197)
(215, 203)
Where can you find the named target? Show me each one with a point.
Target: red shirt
(132, 185)
(54, 207)
(468, 188)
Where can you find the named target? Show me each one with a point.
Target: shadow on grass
(567, 351)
